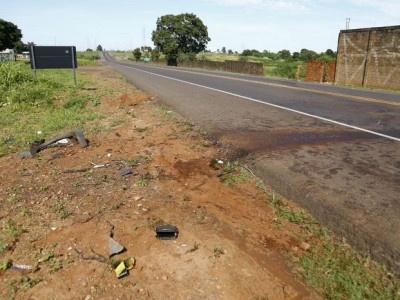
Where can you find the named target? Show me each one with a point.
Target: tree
(137, 54)
(180, 34)
(306, 55)
(155, 54)
(10, 34)
(284, 54)
(21, 47)
(99, 48)
(330, 52)
(247, 52)
(223, 50)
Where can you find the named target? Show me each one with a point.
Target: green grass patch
(47, 105)
(340, 272)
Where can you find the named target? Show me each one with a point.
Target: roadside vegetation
(33, 107)
(282, 64)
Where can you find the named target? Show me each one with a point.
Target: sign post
(54, 57)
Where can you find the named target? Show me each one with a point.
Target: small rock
(165, 277)
(305, 246)
(88, 297)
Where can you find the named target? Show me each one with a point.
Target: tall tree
(10, 34)
(180, 34)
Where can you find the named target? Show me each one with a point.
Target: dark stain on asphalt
(260, 141)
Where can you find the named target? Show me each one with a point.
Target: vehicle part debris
(121, 270)
(24, 268)
(38, 146)
(167, 232)
(97, 257)
(113, 246)
(9, 140)
(100, 166)
(130, 263)
(125, 172)
(76, 170)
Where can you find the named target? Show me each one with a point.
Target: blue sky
(270, 25)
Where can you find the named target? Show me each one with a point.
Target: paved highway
(333, 150)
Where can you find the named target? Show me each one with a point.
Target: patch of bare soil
(57, 211)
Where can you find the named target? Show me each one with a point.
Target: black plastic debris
(9, 140)
(37, 146)
(167, 232)
(125, 172)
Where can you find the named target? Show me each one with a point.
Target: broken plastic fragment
(114, 247)
(126, 172)
(121, 270)
(24, 268)
(63, 141)
(167, 232)
(130, 263)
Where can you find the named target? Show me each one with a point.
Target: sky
(271, 25)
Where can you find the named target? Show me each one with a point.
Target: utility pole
(144, 40)
(347, 23)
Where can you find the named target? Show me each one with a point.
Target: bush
(19, 86)
(286, 70)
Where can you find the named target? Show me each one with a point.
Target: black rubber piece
(167, 232)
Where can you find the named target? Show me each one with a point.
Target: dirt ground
(59, 208)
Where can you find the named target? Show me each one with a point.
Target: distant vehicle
(25, 54)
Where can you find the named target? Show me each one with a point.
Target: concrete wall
(369, 57)
(243, 67)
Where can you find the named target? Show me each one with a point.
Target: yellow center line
(360, 98)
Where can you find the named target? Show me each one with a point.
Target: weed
(138, 160)
(117, 205)
(139, 129)
(14, 198)
(87, 175)
(274, 199)
(143, 181)
(117, 122)
(78, 184)
(292, 215)
(64, 214)
(186, 198)
(55, 264)
(102, 179)
(4, 265)
(15, 189)
(3, 246)
(14, 230)
(206, 144)
(218, 251)
(260, 185)
(25, 211)
(43, 188)
(58, 206)
(24, 281)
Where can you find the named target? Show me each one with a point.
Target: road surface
(333, 150)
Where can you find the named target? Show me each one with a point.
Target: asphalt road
(333, 150)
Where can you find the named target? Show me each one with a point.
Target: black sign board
(53, 57)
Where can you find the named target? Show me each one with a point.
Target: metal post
(33, 61)
(73, 64)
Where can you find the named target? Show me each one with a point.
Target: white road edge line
(269, 104)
